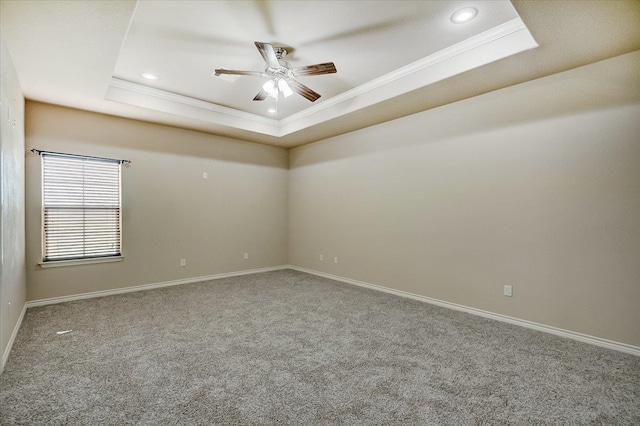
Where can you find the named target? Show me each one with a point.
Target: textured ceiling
(69, 53)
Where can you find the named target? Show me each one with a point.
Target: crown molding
(471, 43)
(161, 100)
(504, 40)
(173, 97)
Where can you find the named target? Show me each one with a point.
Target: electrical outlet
(183, 262)
(335, 259)
(205, 175)
(246, 256)
(508, 290)
(321, 258)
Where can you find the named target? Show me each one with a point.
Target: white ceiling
(393, 57)
(183, 42)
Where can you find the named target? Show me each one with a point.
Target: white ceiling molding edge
(497, 43)
(160, 100)
(428, 61)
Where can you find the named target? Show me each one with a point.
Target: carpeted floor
(286, 347)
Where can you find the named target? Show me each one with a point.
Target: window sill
(59, 263)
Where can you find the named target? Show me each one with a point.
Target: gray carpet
(286, 347)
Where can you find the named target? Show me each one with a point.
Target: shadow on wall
(603, 85)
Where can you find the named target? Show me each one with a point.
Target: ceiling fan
(282, 75)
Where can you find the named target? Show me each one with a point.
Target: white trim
(597, 341)
(450, 52)
(186, 100)
(7, 350)
(59, 263)
(158, 100)
(585, 338)
(501, 41)
(62, 299)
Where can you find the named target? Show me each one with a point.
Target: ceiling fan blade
(261, 96)
(303, 90)
(317, 69)
(268, 54)
(238, 72)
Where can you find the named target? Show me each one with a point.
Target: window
(81, 207)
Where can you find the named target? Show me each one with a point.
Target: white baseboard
(609, 344)
(61, 299)
(14, 333)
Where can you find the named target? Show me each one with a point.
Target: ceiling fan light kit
(274, 87)
(284, 88)
(282, 77)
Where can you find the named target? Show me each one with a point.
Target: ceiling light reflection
(464, 15)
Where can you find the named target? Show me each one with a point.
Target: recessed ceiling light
(149, 76)
(464, 15)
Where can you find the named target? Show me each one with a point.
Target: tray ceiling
(381, 49)
(92, 55)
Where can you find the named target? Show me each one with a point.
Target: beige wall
(536, 186)
(169, 211)
(12, 244)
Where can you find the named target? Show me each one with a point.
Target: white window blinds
(81, 207)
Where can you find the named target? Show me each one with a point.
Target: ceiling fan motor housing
(280, 51)
(282, 75)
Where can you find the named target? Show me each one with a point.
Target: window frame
(44, 263)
